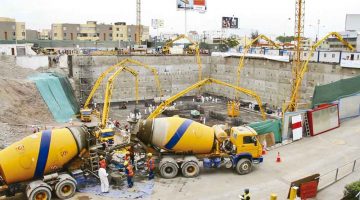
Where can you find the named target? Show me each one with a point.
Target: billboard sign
(197, 5)
(229, 22)
(157, 23)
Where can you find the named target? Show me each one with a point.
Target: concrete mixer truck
(48, 162)
(183, 144)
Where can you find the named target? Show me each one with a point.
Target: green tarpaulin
(271, 125)
(336, 90)
(57, 94)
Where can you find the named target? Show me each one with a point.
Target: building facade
(88, 31)
(11, 30)
(105, 32)
(120, 31)
(132, 32)
(45, 34)
(65, 31)
(32, 34)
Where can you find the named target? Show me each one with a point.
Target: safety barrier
(337, 174)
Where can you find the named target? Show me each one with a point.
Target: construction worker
(246, 195)
(102, 162)
(103, 179)
(127, 156)
(129, 173)
(150, 166)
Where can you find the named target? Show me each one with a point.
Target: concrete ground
(319, 154)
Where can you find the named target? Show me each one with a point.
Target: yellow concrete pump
(183, 144)
(42, 163)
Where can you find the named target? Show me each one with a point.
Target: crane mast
(138, 21)
(299, 34)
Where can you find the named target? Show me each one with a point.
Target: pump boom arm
(109, 89)
(199, 84)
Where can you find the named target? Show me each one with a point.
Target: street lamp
(185, 3)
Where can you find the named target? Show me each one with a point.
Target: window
(23, 33)
(305, 54)
(110, 34)
(324, 55)
(117, 29)
(110, 28)
(117, 35)
(249, 140)
(64, 34)
(55, 34)
(14, 34)
(64, 28)
(358, 56)
(121, 35)
(333, 55)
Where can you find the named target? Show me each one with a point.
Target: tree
(351, 190)
(231, 42)
(254, 35)
(285, 38)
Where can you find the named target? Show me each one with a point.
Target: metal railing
(337, 174)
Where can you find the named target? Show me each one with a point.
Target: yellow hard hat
(149, 154)
(127, 152)
(101, 157)
(126, 163)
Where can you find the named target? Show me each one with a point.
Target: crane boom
(109, 89)
(199, 84)
(297, 84)
(166, 50)
(246, 49)
(112, 68)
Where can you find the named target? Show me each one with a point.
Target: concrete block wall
(271, 80)
(175, 73)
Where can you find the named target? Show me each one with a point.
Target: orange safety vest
(150, 164)
(102, 163)
(130, 170)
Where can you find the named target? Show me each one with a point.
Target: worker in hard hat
(150, 166)
(127, 155)
(129, 173)
(246, 195)
(102, 162)
(103, 179)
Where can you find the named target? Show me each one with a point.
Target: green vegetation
(231, 42)
(351, 190)
(285, 38)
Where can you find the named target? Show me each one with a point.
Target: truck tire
(190, 169)
(243, 166)
(65, 189)
(40, 193)
(169, 169)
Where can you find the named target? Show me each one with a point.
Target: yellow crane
(194, 47)
(199, 84)
(104, 133)
(246, 49)
(85, 112)
(109, 89)
(292, 105)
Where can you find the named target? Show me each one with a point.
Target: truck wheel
(65, 189)
(190, 169)
(243, 166)
(169, 170)
(40, 193)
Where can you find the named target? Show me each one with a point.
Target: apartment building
(132, 32)
(65, 31)
(120, 31)
(11, 30)
(45, 34)
(32, 34)
(105, 32)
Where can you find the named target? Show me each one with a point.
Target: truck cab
(107, 135)
(85, 115)
(248, 149)
(245, 141)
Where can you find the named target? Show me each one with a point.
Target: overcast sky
(268, 16)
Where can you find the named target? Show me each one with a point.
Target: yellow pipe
(293, 192)
(273, 197)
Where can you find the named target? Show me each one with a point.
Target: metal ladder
(94, 161)
(306, 125)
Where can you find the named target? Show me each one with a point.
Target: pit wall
(271, 80)
(175, 73)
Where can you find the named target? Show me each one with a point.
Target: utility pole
(185, 3)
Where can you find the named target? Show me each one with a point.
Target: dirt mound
(21, 104)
